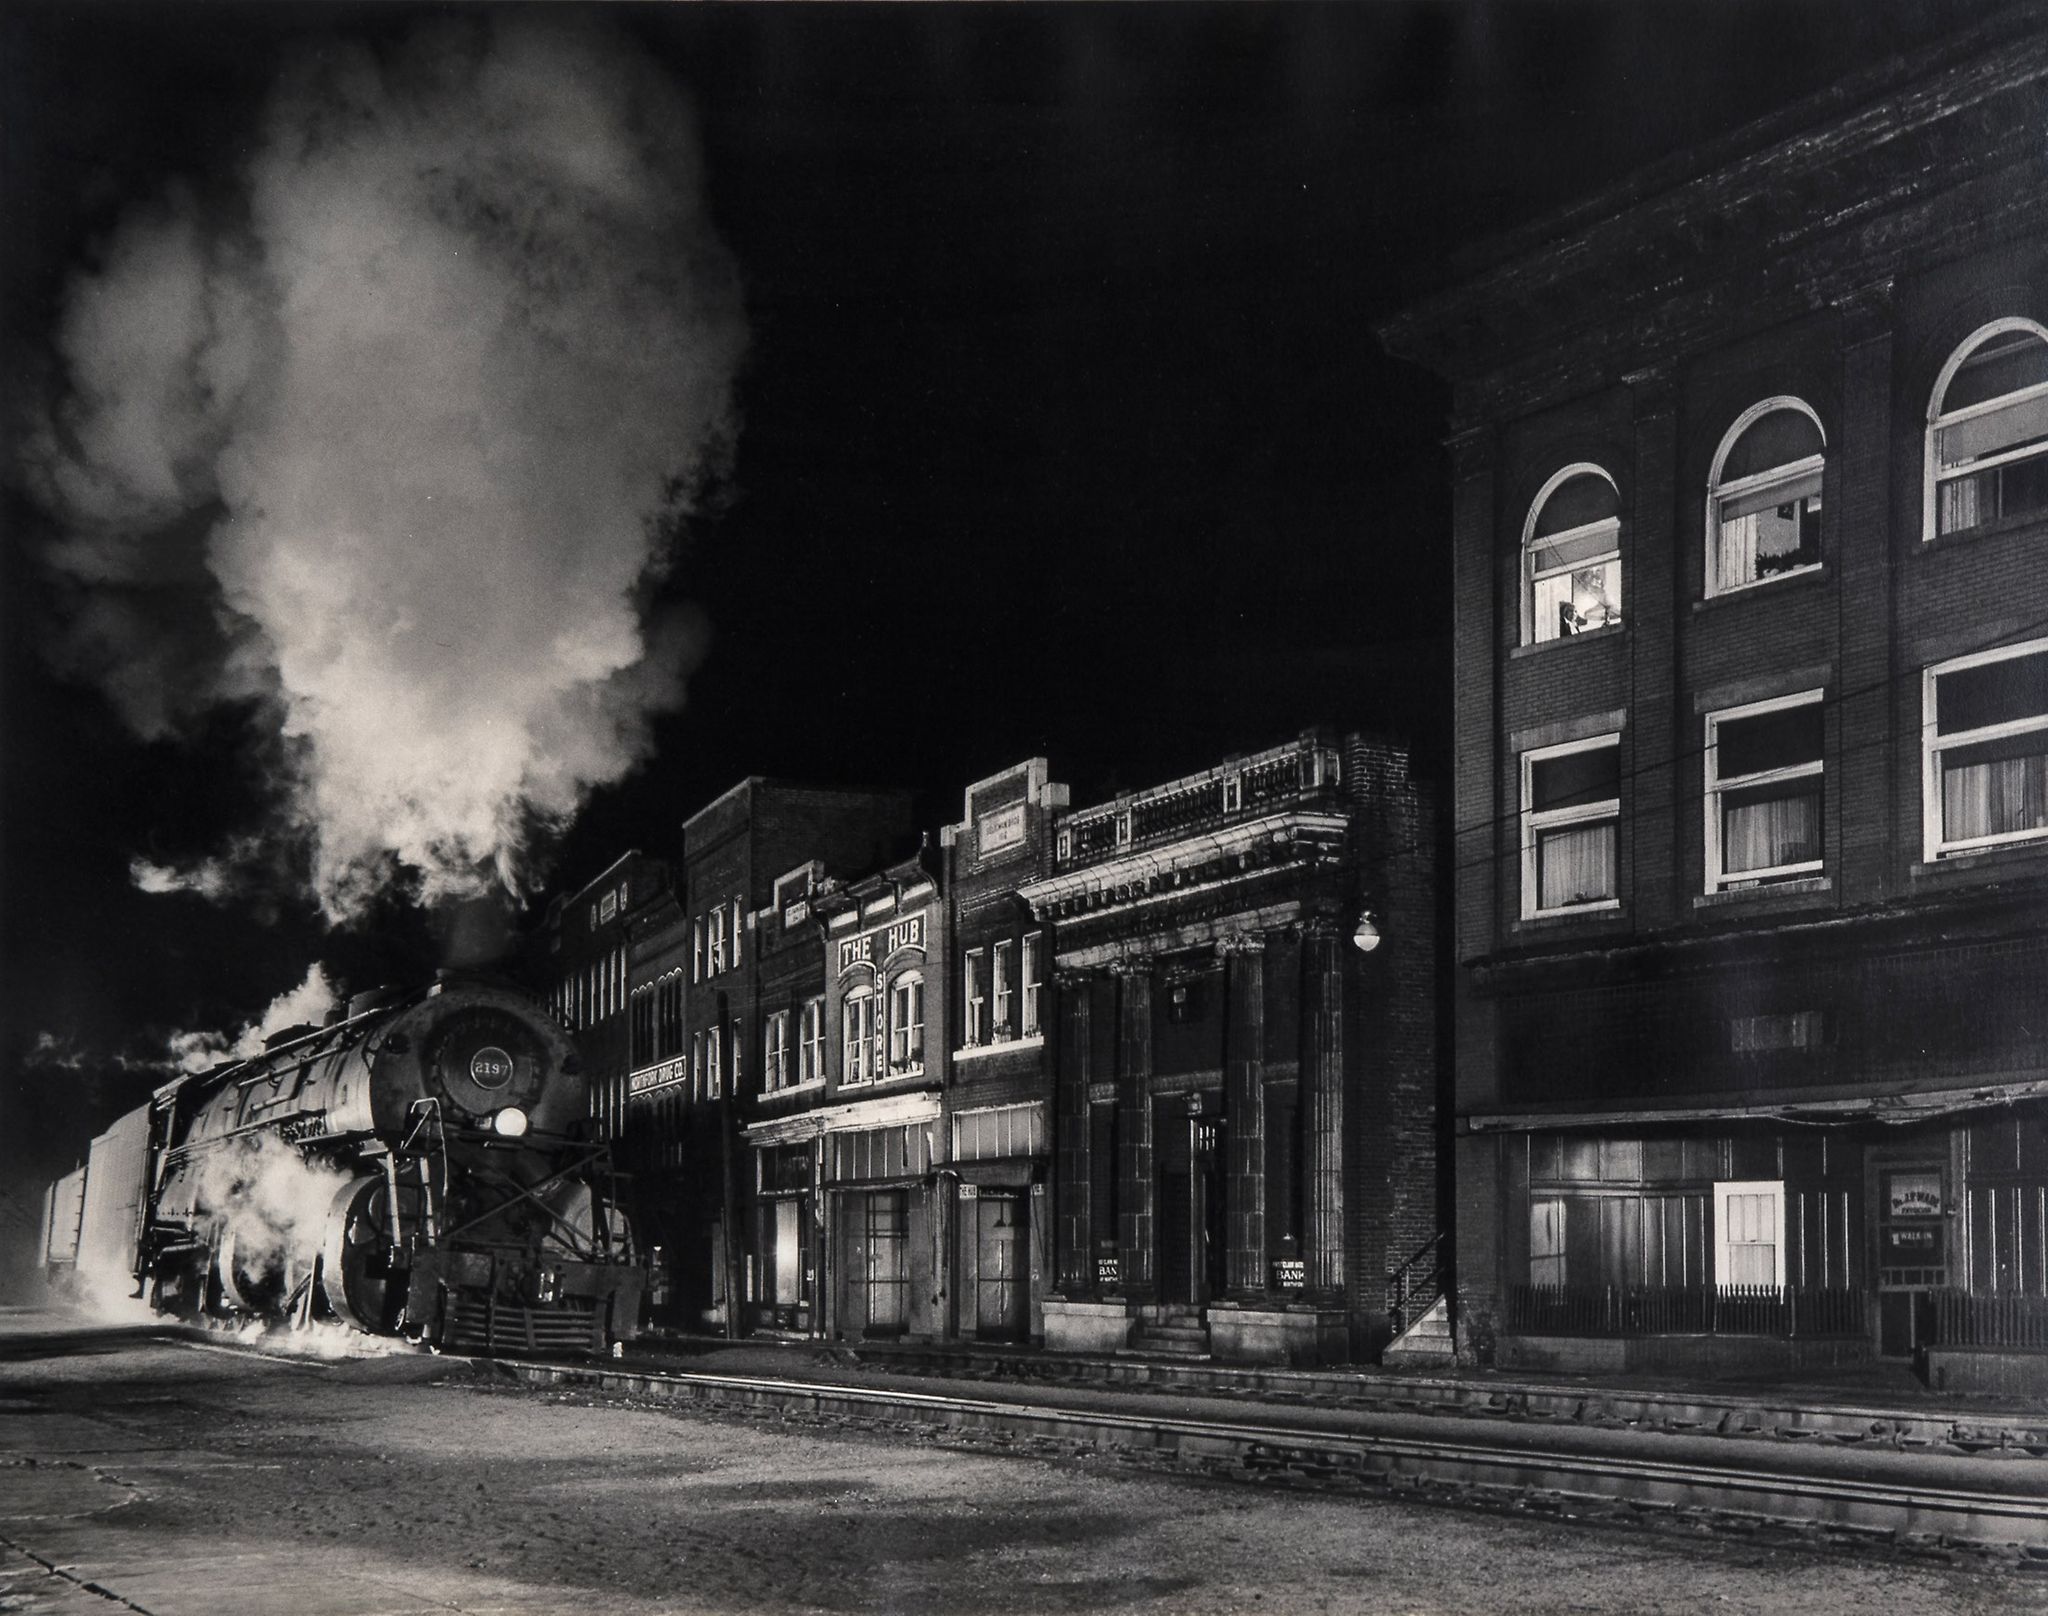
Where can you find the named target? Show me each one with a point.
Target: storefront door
(1002, 1286)
(887, 1226)
(1912, 1253)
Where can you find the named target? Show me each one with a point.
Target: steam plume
(389, 433)
(307, 1003)
(272, 1199)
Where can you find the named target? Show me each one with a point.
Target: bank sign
(877, 945)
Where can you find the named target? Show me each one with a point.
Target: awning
(1894, 1108)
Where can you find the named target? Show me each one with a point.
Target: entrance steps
(1169, 1332)
(1425, 1342)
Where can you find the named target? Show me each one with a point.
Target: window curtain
(1994, 798)
(1775, 831)
(1576, 866)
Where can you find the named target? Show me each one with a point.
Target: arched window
(1987, 430)
(1763, 497)
(906, 1022)
(1571, 545)
(857, 1035)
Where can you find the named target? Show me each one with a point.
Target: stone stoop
(1427, 1340)
(1169, 1332)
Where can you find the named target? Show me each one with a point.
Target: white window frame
(857, 1036)
(1719, 492)
(1938, 419)
(1718, 879)
(811, 1043)
(697, 1064)
(1001, 1027)
(775, 1052)
(1535, 823)
(1935, 845)
(1033, 968)
(1531, 576)
(697, 949)
(739, 929)
(714, 1077)
(975, 1031)
(1724, 1191)
(906, 1034)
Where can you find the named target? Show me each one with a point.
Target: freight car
(420, 1166)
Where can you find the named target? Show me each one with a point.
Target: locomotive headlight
(509, 1123)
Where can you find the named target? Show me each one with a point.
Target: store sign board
(1914, 1195)
(650, 1078)
(1000, 828)
(883, 941)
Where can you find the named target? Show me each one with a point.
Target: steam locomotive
(420, 1166)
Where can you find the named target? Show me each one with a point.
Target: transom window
(1572, 556)
(906, 1023)
(1764, 791)
(1571, 810)
(1985, 750)
(1764, 498)
(1987, 430)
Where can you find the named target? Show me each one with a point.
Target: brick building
(1750, 496)
(1245, 1055)
(999, 1101)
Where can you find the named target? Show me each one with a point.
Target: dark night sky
(1064, 430)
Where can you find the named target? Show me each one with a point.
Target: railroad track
(1909, 1499)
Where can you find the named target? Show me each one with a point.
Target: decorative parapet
(1302, 774)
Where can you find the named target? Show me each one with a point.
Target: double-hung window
(857, 1031)
(714, 1075)
(1002, 955)
(811, 1045)
(1033, 970)
(1987, 430)
(775, 1052)
(1763, 515)
(1749, 1242)
(1571, 547)
(906, 1022)
(1764, 791)
(1984, 748)
(1571, 813)
(976, 976)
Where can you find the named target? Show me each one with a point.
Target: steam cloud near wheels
(390, 431)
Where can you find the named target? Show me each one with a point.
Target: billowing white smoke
(305, 1004)
(404, 418)
(272, 1201)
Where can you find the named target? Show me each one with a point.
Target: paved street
(216, 1481)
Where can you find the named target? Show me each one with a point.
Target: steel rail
(1913, 1509)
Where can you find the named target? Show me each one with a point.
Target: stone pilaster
(1074, 1238)
(1135, 1187)
(1244, 1106)
(1322, 1109)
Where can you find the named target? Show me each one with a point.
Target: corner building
(1750, 526)
(1245, 1056)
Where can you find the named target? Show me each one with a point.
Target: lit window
(1571, 546)
(697, 949)
(738, 928)
(1764, 791)
(714, 1078)
(1033, 970)
(1987, 430)
(857, 1029)
(1004, 1027)
(811, 1044)
(906, 1022)
(775, 1051)
(1984, 741)
(1763, 501)
(1571, 810)
(977, 997)
(1748, 1247)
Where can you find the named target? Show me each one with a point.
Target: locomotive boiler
(421, 1166)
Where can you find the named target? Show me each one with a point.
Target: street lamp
(1367, 936)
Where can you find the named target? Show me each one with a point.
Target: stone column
(1322, 1109)
(1244, 1115)
(1075, 1238)
(1136, 1190)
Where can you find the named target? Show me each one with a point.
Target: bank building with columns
(1244, 1059)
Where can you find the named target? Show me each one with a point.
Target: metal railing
(1413, 1288)
(1626, 1310)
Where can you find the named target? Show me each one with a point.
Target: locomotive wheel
(250, 1285)
(355, 1258)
